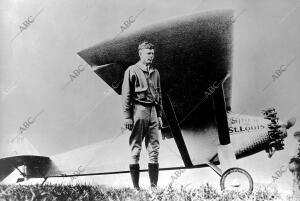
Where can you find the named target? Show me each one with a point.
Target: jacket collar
(144, 67)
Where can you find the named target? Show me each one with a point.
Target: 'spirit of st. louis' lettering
(237, 129)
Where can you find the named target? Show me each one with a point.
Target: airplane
(194, 57)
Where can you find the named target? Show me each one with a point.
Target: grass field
(88, 192)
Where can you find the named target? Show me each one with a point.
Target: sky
(36, 63)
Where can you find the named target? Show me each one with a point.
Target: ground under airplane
(194, 57)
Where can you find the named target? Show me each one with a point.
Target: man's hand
(128, 123)
(160, 124)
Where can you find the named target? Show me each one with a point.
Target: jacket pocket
(140, 84)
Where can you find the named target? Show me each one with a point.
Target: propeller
(277, 131)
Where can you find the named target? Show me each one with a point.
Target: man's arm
(159, 107)
(126, 100)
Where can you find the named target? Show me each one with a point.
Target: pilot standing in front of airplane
(142, 110)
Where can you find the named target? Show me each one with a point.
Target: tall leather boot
(153, 174)
(135, 175)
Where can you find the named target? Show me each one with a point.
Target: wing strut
(221, 115)
(175, 129)
(226, 153)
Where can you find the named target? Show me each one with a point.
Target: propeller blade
(291, 122)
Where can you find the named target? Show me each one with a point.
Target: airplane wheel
(232, 175)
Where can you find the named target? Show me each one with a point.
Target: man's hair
(145, 45)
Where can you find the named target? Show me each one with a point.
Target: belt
(145, 104)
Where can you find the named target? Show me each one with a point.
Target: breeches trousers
(145, 127)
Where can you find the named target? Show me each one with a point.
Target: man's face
(146, 55)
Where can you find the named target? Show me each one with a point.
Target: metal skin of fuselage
(249, 134)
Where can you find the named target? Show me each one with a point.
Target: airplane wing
(199, 46)
(193, 55)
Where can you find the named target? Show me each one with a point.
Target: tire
(239, 170)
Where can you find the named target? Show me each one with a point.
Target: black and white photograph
(150, 100)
